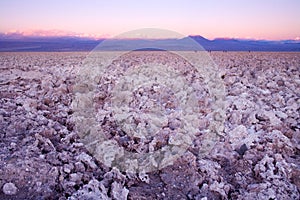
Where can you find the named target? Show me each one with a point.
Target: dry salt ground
(256, 156)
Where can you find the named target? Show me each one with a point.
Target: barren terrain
(256, 154)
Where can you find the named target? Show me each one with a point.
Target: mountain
(17, 43)
(221, 44)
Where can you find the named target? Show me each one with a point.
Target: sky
(248, 19)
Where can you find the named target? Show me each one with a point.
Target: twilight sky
(255, 19)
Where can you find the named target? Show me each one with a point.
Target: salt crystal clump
(118, 191)
(93, 190)
(9, 189)
(237, 136)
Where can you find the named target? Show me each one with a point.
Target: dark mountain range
(247, 45)
(18, 43)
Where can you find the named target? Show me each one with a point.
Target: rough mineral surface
(256, 157)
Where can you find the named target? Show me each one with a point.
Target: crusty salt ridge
(37, 139)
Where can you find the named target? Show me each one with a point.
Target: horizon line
(65, 34)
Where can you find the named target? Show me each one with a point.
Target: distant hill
(19, 43)
(35, 44)
(247, 45)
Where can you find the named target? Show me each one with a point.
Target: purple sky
(256, 19)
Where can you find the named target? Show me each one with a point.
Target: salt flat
(251, 127)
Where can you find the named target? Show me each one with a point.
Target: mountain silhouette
(19, 43)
